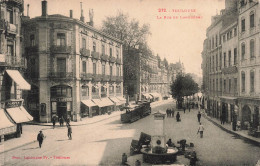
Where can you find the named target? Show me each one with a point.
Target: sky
(174, 36)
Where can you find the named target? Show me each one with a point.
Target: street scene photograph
(129, 82)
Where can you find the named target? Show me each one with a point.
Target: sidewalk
(30, 130)
(228, 128)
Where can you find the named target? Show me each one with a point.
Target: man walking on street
(184, 108)
(69, 132)
(200, 130)
(173, 112)
(40, 138)
(199, 116)
(53, 121)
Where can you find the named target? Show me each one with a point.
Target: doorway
(62, 109)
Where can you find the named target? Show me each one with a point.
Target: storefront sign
(12, 104)
(64, 99)
(8, 130)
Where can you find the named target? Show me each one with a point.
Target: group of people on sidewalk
(41, 137)
(61, 121)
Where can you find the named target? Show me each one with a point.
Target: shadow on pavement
(31, 148)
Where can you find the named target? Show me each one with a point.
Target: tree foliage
(129, 31)
(184, 85)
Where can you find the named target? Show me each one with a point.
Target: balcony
(113, 78)
(61, 75)
(85, 52)
(104, 57)
(86, 76)
(112, 59)
(12, 28)
(230, 70)
(31, 50)
(60, 49)
(97, 77)
(105, 78)
(119, 78)
(8, 60)
(118, 61)
(95, 55)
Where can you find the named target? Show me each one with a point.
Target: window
(213, 85)
(110, 52)
(111, 89)
(61, 66)
(220, 60)
(85, 91)
(94, 68)
(224, 85)
(94, 46)
(224, 38)
(217, 85)
(84, 43)
(252, 20)
(243, 51)
(213, 42)
(84, 66)
(117, 54)
(243, 25)
(229, 58)
(111, 70)
(235, 56)
(103, 69)
(235, 31)
(103, 91)
(243, 80)
(252, 48)
(213, 63)
(10, 16)
(220, 82)
(216, 62)
(103, 49)
(229, 85)
(235, 85)
(61, 39)
(117, 71)
(10, 50)
(32, 40)
(224, 59)
(216, 40)
(252, 81)
(230, 34)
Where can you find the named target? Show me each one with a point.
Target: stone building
(249, 62)
(75, 70)
(12, 67)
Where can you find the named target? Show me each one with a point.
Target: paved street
(104, 142)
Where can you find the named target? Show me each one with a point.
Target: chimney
(44, 8)
(71, 13)
(81, 17)
(28, 7)
(91, 15)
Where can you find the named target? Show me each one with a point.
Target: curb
(231, 132)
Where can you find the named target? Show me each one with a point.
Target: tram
(135, 112)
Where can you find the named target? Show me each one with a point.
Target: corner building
(75, 70)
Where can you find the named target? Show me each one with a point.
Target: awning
(89, 103)
(118, 101)
(147, 95)
(6, 126)
(103, 102)
(18, 79)
(26, 113)
(18, 115)
(106, 102)
(121, 98)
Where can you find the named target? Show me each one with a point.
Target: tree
(183, 86)
(130, 32)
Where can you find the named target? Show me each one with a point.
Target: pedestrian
(222, 119)
(200, 130)
(61, 121)
(167, 112)
(184, 108)
(69, 132)
(189, 107)
(199, 116)
(178, 117)
(68, 120)
(40, 138)
(170, 143)
(53, 121)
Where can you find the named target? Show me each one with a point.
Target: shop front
(61, 101)
(7, 126)
(88, 108)
(105, 105)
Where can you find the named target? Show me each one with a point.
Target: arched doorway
(246, 116)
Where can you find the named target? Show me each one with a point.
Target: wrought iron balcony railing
(61, 75)
(112, 59)
(97, 77)
(104, 57)
(119, 78)
(105, 77)
(113, 78)
(85, 52)
(118, 61)
(95, 55)
(60, 49)
(86, 76)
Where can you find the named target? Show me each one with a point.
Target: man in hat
(69, 132)
(40, 138)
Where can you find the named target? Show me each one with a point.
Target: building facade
(75, 70)
(12, 67)
(231, 66)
